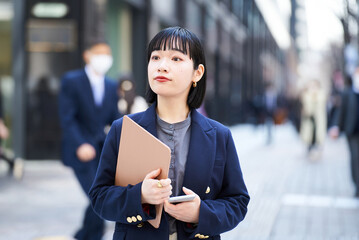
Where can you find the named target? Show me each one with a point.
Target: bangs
(177, 40)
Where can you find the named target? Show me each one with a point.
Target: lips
(161, 79)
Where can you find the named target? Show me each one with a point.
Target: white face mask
(101, 63)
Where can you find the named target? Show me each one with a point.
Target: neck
(172, 110)
(89, 68)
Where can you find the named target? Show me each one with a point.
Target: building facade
(241, 52)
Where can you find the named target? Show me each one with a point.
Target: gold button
(206, 236)
(139, 218)
(197, 235)
(134, 219)
(140, 225)
(208, 190)
(129, 219)
(201, 236)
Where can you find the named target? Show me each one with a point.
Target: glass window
(237, 8)
(211, 33)
(164, 9)
(225, 46)
(193, 17)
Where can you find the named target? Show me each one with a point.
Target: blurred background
(261, 55)
(249, 45)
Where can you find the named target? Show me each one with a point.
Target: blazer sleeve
(230, 207)
(116, 203)
(68, 110)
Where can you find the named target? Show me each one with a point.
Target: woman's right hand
(86, 152)
(154, 193)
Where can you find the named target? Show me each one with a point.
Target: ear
(198, 73)
(86, 56)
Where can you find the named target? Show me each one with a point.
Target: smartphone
(183, 198)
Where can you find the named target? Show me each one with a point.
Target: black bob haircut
(181, 39)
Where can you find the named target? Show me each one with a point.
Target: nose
(162, 66)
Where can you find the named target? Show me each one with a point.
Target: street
(292, 196)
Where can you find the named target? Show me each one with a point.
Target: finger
(169, 206)
(165, 204)
(168, 194)
(187, 191)
(167, 189)
(165, 199)
(153, 174)
(164, 195)
(165, 182)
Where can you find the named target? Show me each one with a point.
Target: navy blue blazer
(81, 120)
(212, 171)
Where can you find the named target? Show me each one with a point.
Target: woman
(204, 161)
(314, 119)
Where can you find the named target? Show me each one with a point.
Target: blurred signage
(50, 10)
(51, 35)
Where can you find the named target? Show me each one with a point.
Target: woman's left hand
(185, 211)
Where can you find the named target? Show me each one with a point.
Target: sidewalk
(291, 197)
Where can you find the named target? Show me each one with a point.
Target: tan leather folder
(140, 153)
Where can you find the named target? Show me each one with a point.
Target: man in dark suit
(346, 118)
(87, 104)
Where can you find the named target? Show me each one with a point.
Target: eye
(155, 57)
(176, 59)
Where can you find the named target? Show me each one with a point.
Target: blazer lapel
(87, 89)
(148, 120)
(201, 155)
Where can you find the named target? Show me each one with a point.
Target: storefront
(50, 37)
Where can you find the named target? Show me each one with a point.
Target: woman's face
(171, 73)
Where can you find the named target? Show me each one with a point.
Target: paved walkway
(292, 197)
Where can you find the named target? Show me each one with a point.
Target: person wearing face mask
(87, 104)
(346, 118)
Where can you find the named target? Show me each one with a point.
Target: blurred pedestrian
(270, 106)
(129, 101)
(335, 96)
(347, 120)
(204, 161)
(87, 103)
(314, 118)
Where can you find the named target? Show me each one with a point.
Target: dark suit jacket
(212, 164)
(346, 116)
(81, 120)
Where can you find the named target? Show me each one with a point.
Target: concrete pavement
(292, 197)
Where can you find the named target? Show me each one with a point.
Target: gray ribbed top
(176, 136)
